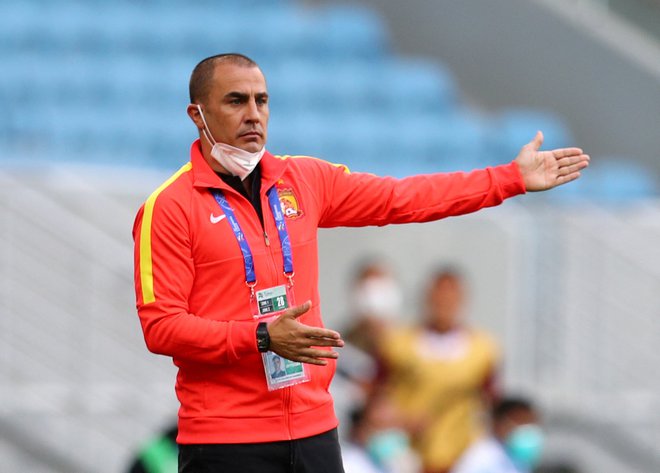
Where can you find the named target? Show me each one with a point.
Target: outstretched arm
(543, 170)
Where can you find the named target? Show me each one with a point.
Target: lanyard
(248, 259)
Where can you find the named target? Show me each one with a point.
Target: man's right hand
(295, 341)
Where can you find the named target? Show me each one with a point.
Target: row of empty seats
(181, 29)
(390, 85)
(107, 82)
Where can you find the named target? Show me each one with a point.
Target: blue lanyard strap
(285, 242)
(248, 259)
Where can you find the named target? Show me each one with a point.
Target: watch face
(263, 339)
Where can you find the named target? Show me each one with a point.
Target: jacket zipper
(262, 223)
(286, 407)
(287, 410)
(274, 275)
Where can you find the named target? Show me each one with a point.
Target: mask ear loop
(207, 134)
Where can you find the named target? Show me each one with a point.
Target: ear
(193, 113)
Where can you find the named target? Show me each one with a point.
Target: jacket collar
(272, 169)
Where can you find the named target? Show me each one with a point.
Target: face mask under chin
(236, 161)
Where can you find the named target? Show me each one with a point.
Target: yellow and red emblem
(289, 201)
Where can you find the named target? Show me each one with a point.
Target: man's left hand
(543, 170)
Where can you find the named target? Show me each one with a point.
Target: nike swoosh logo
(215, 219)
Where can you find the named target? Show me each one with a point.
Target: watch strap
(263, 337)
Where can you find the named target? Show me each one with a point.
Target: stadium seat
(345, 31)
(415, 86)
(84, 76)
(611, 181)
(512, 128)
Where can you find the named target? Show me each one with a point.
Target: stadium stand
(89, 78)
(104, 83)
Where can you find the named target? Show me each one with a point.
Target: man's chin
(251, 146)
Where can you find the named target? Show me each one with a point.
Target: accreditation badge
(267, 305)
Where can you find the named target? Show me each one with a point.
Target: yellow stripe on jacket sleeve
(337, 165)
(146, 264)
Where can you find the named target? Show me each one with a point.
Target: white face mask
(378, 296)
(236, 161)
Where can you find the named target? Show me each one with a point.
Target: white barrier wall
(570, 293)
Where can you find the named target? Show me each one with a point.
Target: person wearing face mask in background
(515, 443)
(442, 374)
(378, 442)
(376, 301)
(226, 271)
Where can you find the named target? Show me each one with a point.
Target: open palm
(543, 170)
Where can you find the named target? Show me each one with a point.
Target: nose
(252, 114)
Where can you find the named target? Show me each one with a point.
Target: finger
(566, 152)
(566, 170)
(567, 178)
(312, 356)
(317, 353)
(312, 361)
(317, 332)
(569, 161)
(537, 141)
(295, 312)
(324, 342)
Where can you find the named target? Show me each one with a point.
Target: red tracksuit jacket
(193, 302)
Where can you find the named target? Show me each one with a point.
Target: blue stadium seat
(91, 76)
(414, 86)
(514, 128)
(461, 142)
(345, 31)
(333, 86)
(612, 181)
(379, 86)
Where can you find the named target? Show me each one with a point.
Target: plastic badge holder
(280, 372)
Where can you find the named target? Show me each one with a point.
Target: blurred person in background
(222, 246)
(514, 445)
(378, 443)
(375, 300)
(442, 374)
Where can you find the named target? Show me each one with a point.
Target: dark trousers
(317, 454)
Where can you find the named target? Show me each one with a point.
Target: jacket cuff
(242, 338)
(509, 179)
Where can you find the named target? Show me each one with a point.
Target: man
(216, 262)
(515, 443)
(441, 373)
(277, 372)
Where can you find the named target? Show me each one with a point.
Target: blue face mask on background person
(385, 446)
(524, 446)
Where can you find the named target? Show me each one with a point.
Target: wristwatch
(263, 338)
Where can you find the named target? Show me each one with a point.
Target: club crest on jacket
(289, 202)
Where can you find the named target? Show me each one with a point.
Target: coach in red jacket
(226, 272)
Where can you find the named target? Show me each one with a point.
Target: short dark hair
(202, 74)
(447, 271)
(506, 406)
